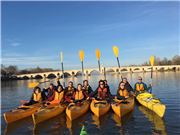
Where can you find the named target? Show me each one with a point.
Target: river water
(140, 121)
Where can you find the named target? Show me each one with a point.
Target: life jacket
(70, 92)
(139, 87)
(102, 93)
(123, 92)
(59, 96)
(79, 95)
(86, 88)
(37, 97)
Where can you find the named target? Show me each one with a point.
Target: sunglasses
(101, 84)
(139, 79)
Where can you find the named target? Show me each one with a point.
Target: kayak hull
(47, 113)
(21, 112)
(73, 111)
(150, 101)
(99, 108)
(123, 108)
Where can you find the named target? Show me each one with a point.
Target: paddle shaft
(63, 74)
(119, 68)
(99, 65)
(151, 78)
(82, 66)
(104, 73)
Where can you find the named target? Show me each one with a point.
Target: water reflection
(78, 122)
(157, 121)
(121, 121)
(54, 125)
(12, 126)
(100, 121)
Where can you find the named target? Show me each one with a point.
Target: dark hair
(78, 85)
(119, 86)
(37, 88)
(101, 81)
(105, 80)
(85, 81)
(51, 84)
(125, 78)
(60, 86)
(71, 82)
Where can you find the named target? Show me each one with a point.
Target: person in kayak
(127, 85)
(106, 85)
(51, 90)
(79, 94)
(101, 92)
(140, 86)
(59, 96)
(36, 97)
(87, 87)
(70, 90)
(122, 92)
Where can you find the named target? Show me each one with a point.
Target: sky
(33, 33)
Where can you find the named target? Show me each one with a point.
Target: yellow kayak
(123, 107)
(100, 107)
(153, 103)
(46, 113)
(21, 112)
(73, 111)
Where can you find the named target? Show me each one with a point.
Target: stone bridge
(58, 74)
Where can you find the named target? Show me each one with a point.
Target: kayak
(150, 101)
(21, 112)
(46, 113)
(73, 111)
(99, 107)
(121, 107)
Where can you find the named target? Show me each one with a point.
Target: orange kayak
(21, 112)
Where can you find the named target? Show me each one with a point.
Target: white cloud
(14, 41)
(15, 44)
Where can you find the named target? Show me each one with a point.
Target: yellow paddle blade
(31, 85)
(97, 54)
(115, 49)
(61, 57)
(81, 55)
(152, 61)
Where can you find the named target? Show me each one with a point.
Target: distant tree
(164, 61)
(12, 69)
(24, 71)
(176, 60)
(3, 72)
(145, 64)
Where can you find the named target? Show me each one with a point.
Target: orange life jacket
(123, 92)
(139, 87)
(70, 92)
(59, 96)
(79, 95)
(102, 93)
(37, 97)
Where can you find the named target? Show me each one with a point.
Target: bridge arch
(79, 73)
(25, 77)
(96, 72)
(38, 77)
(51, 75)
(124, 70)
(66, 74)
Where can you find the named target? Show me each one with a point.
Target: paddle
(24, 102)
(98, 57)
(62, 68)
(115, 49)
(152, 62)
(31, 85)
